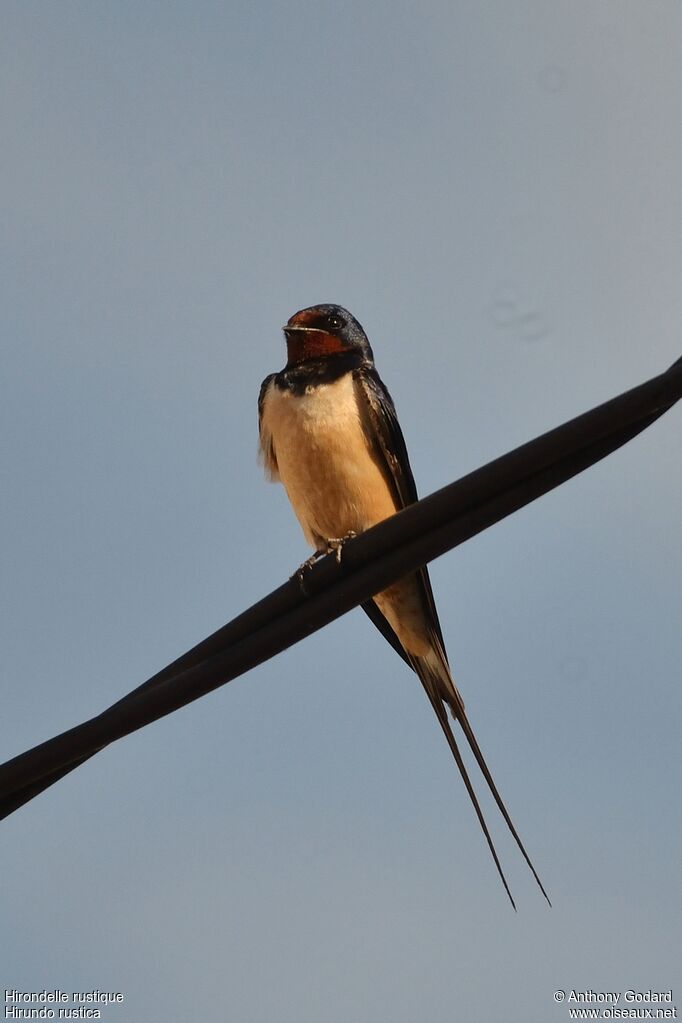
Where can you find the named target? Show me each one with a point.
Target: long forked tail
(440, 687)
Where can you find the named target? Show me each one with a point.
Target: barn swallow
(329, 432)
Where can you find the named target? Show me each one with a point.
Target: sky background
(493, 189)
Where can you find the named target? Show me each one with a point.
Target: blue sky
(493, 190)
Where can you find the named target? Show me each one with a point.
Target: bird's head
(323, 331)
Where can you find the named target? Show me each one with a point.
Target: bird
(328, 431)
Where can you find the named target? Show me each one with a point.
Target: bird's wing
(391, 445)
(266, 448)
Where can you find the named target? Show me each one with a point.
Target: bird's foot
(335, 544)
(303, 569)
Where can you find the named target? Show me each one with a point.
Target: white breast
(321, 442)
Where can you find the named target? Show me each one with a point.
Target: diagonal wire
(370, 562)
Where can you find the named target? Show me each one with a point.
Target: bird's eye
(335, 322)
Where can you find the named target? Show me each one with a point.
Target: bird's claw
(335, 544)
(303, 569)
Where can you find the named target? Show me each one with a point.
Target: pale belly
(336, 482)
(333, 477)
